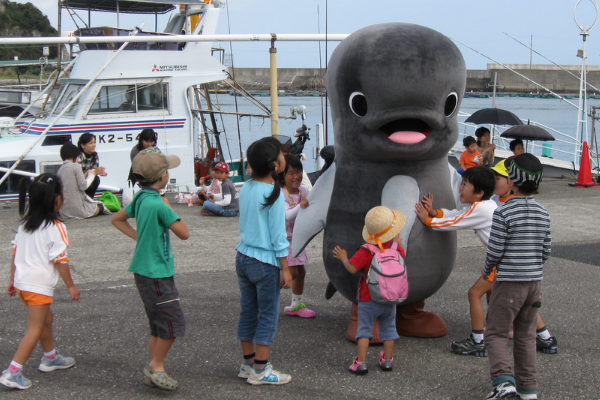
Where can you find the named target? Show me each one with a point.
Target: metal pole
(274, 100)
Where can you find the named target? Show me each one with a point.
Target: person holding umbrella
(484, 146)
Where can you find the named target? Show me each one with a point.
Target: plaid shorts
(161, 300)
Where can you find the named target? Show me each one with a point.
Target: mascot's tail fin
(330, 290)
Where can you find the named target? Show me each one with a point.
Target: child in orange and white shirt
(40, 257)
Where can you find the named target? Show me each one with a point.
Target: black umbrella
(496, 116)
(527, 132)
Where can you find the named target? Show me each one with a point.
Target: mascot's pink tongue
(407, 137)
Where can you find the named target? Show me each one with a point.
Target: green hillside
(24, 20)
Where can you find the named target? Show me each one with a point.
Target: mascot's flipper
(402, 193)
(311, 220)
(455, 182)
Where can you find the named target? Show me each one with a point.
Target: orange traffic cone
(584, 179)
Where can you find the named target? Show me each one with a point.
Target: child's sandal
(159, 379)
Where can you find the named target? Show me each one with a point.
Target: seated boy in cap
(228, 205)
(382, 228)
(519, 245)
(152, 262)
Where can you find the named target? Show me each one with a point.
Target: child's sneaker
(59, 362)
(548, 346)
(17, 381)
(245, 371)
(504, 390)
(299, 311)
(469, 347)
(386, 364)
(358, 367)
(268, 377)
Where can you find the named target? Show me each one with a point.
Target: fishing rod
(547, 59)
(520, 74)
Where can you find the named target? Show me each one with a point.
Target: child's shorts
(161, 300)
(368, 312)
(34, 299)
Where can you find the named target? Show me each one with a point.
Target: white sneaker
(504, 390)
(59, 362)
(245, 371)
(268, 377)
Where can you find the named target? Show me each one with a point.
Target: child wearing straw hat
(382, 228)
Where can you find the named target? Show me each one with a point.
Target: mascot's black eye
(358, 104)
(451, 103)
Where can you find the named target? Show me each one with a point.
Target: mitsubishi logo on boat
(169, 68)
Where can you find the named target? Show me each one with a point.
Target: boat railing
(565, 148)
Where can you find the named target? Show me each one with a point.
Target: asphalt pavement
(106, 331)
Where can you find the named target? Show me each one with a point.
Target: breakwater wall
(550, 76)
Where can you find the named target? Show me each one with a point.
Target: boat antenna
(320, 68)
(547, 59)
(582, 131)
(518, 73)
(326, 98)
(237, 120)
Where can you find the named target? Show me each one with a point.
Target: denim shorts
(161, 300)
(368, 312)
(259, 288)
(217, 209)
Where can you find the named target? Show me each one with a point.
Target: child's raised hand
(304, 203)
(428, 204)
(74, 292)
(421, 212)
(340, 254)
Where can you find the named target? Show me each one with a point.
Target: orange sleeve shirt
(470, 159)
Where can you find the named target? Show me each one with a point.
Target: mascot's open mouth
(406, 131)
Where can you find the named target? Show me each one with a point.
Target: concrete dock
(106, 331)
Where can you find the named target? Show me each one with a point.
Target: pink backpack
(387, 279)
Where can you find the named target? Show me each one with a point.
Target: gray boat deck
(106, 331)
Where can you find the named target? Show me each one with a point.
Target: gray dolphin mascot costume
(395, 90)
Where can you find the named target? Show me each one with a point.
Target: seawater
(554, 113)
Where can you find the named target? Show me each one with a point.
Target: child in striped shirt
(519, 245)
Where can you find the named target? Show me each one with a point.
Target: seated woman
(484, 146)
(88, 158)
(147, 138)
(77, 204)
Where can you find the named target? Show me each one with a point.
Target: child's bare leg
(47, 339)
(298, 274)
(363, 345)
(247, 347)
(540, 323)
(479, 288)
(262, 352)
(35, 326)
(158, 352)
(388, 348)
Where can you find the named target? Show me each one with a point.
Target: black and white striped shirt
(520, 240)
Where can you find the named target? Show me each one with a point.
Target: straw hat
(382, 225)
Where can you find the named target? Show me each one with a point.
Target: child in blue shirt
(261, 262)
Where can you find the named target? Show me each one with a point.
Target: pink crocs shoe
(299, 311)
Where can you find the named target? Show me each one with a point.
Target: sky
(480, 24)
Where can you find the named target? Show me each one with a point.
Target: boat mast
(582, 131)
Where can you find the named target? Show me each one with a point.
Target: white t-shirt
(35, 256)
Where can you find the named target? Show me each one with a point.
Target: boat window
(68, 95)
(11, 185)
(130, 98)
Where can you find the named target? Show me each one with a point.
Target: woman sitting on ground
(484, 146)
(146, 139)
(77, 204)
(88, 158)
